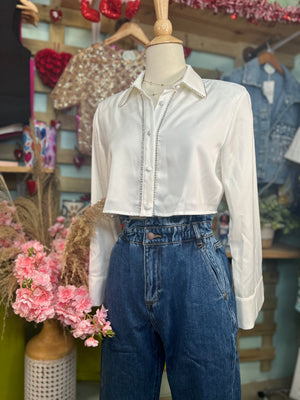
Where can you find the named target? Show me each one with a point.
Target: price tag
(268, 90)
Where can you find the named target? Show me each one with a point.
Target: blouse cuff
(249, 307)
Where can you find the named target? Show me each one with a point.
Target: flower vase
(267, 236)
(50, 364)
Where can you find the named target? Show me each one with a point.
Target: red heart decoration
(27, 157)
(88, 12)
(50, 65)
(55, 15)
(31, 186)
(132, 8)
(111, 8)
(55, 124)
(78, 160)
(18, 154)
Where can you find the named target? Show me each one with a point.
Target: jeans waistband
(162, 230)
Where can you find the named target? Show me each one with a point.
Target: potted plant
(274, 216)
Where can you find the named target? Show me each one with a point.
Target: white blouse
(178, 159)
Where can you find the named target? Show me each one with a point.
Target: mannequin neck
(165, 65)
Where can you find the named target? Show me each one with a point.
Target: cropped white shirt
(178, 159)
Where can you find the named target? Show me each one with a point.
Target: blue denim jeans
(170, 301)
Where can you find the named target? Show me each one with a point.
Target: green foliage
(276, 214)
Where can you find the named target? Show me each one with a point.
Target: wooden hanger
(29, 11)
(270, 58)
(129, 29)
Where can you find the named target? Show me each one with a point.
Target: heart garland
(88, 12)
(109, 8)
(50, 65)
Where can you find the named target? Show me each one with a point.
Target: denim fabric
(170, 300)
(274, 124)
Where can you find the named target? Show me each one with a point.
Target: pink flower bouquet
(41, 295)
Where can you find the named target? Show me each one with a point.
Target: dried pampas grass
(77, 246)
(34, 214)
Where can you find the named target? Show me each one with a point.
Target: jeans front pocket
(216, 263)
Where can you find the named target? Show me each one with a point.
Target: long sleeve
(240, 185)
(106, 230)
(68, 89)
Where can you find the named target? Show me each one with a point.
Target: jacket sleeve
(68, 89)
(106, 229)
(240, 185)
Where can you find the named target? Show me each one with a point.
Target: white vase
(267, 236)
(50, 364)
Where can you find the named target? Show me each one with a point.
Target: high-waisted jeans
(170, 301)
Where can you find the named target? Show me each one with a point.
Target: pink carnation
(37, 246)
(101, 315)
(33, 306)
(24, 267)
(41, 279)
(58, 245)
(55, 229)
(91, 342)
(60, 219)
(106, 328)
(66, 293)
(83, 329)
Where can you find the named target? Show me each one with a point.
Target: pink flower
(55, 229)
(24, 267)
(83, 329)
(106, 328)
(91, 342)
(83, 305)
(58, 245)
(37, 247)
(41, 279)
(101, 315)
(32, 305)
(60, 219)
(65, 293)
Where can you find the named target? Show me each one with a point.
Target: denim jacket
(274, 124)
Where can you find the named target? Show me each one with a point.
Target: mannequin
(165, 65)
(165, 278)
(165, 62)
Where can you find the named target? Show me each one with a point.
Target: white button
(177, 87)
(161, 103)
(148, 169)
(147, 206)
(148, 133)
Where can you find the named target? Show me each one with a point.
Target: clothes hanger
(270, 58)
(29, 12)
(129, 29)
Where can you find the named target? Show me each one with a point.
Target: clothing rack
(249, 52)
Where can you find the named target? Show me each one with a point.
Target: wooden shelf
(279, 251)
(22, 170)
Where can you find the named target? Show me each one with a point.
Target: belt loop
(199, 238)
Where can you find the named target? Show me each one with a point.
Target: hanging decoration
(253, 10)
(50, 65)
(88, 12)
(109, 8)
(55, 15)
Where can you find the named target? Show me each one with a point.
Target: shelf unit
(22, 170)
